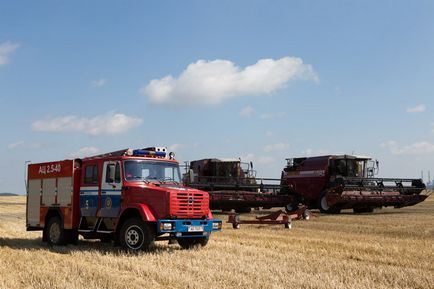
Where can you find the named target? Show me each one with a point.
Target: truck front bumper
(189, 228)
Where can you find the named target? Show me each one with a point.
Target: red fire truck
(134, 197)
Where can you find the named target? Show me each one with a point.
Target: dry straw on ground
(387, 249)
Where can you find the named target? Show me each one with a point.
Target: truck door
(111, 189)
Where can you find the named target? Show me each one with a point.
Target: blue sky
(260, 80)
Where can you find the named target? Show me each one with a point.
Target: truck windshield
(151, 171)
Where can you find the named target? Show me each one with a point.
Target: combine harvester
(232, 185)
(335, 182)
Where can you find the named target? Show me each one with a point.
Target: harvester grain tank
(134, 197)
(335, 182)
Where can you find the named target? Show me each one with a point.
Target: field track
(391, 248)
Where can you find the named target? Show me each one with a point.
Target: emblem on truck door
(108, 202)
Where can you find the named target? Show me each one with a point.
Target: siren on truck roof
(159, 152)
(151, 151)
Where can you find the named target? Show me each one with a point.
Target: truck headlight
(166, 226)
(217, 225)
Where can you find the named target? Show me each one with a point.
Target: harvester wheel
(54, 232)
(136, 235)
(306, 215)
(293, 205)
(189, 243)
(325, 208)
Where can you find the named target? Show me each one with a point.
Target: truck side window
(91, 175)
(113, 173)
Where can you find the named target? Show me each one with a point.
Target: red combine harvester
(133, 197)
(232, 184)
(334, 182)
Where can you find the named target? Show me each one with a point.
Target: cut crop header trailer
(133, 197)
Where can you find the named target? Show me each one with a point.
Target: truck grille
(185, 204)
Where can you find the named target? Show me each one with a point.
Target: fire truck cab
(133, 197)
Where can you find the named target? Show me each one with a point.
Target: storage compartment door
(48, 192)
(34, 202)
(64, 191)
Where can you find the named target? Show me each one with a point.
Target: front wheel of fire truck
(136, 235)
(54, 232)
(189, 243)
(324, 207)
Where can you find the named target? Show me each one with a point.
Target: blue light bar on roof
(140, 152)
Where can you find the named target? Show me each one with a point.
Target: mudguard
(144, 211)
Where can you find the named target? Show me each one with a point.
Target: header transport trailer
(133, 197)
(232, 184)
(334, 182)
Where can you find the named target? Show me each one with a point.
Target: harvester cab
(219, 171)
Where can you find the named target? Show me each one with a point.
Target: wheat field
(391, 248)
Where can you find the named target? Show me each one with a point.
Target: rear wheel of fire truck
(188, 243)
(54, 232)
(324, 206)
(136, 235)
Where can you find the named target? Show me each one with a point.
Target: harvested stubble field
(388, 249)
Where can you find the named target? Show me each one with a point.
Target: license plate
(195, 229)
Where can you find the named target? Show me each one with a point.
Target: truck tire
(189, 243)
(136, 235)
(54, 232)
(325, 208)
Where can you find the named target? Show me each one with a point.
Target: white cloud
(99, 82)
(262, 160)
(276, 147)
(315, 152)
(272, 115)
(417, 108)
(269, 133)
(212, 82)
(85, 152)
(108, 123)
(23, 145)
(417, 148)
(6, 49)
(246, 111)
